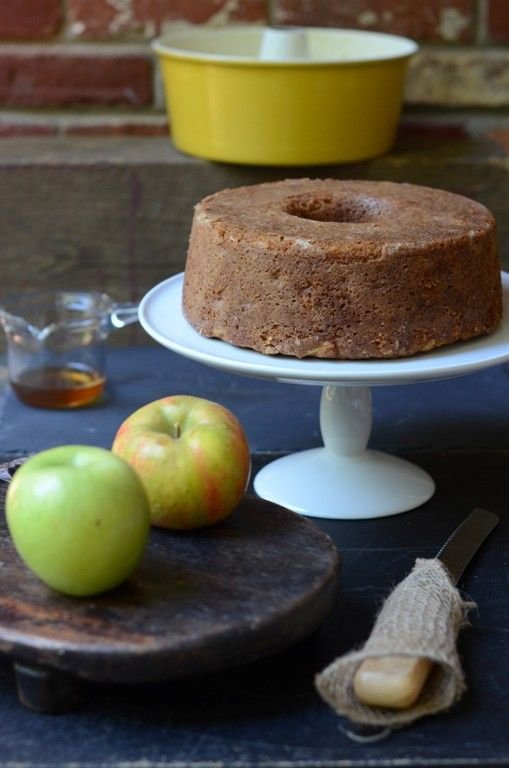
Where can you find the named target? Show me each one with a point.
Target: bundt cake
(342, 269)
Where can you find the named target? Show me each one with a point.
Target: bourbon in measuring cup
(58, 387)
(56, 345)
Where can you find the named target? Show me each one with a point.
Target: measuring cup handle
(124, 314)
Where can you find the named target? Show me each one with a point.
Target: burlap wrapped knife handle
(409, 667)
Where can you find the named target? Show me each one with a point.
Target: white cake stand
(342, 479)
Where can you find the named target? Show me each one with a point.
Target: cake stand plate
(343, 479)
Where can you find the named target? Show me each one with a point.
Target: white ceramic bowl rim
(241, 45)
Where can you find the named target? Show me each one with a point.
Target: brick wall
(85, 66)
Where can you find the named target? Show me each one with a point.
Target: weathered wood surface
(208, 599)
(268, 714)
(116, 213)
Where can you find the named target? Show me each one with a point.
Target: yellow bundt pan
(340, 102)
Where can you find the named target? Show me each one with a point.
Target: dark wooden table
(268, 713)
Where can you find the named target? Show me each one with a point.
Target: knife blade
(395, 682)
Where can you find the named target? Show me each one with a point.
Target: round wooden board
(256, 583)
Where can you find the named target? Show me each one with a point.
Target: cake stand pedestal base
(344, 480)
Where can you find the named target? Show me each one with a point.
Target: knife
(395, 682)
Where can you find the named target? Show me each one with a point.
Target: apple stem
(177, 430)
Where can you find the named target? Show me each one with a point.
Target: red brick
(498, 21)
(100, 19)
(433, 132)
(500, 136)
(433, 20)
(29, 19)
(9, 130)
(79, 123)
(64, 79)
(117, 128)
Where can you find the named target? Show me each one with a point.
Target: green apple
(78, 517)
(192, 456)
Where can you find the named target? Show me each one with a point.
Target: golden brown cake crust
(342, 269)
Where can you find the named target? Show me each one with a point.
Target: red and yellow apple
(192, 456)
(79, 518)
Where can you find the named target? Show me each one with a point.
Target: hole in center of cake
(351, 210)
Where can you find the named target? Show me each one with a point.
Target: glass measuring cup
(56, 344)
